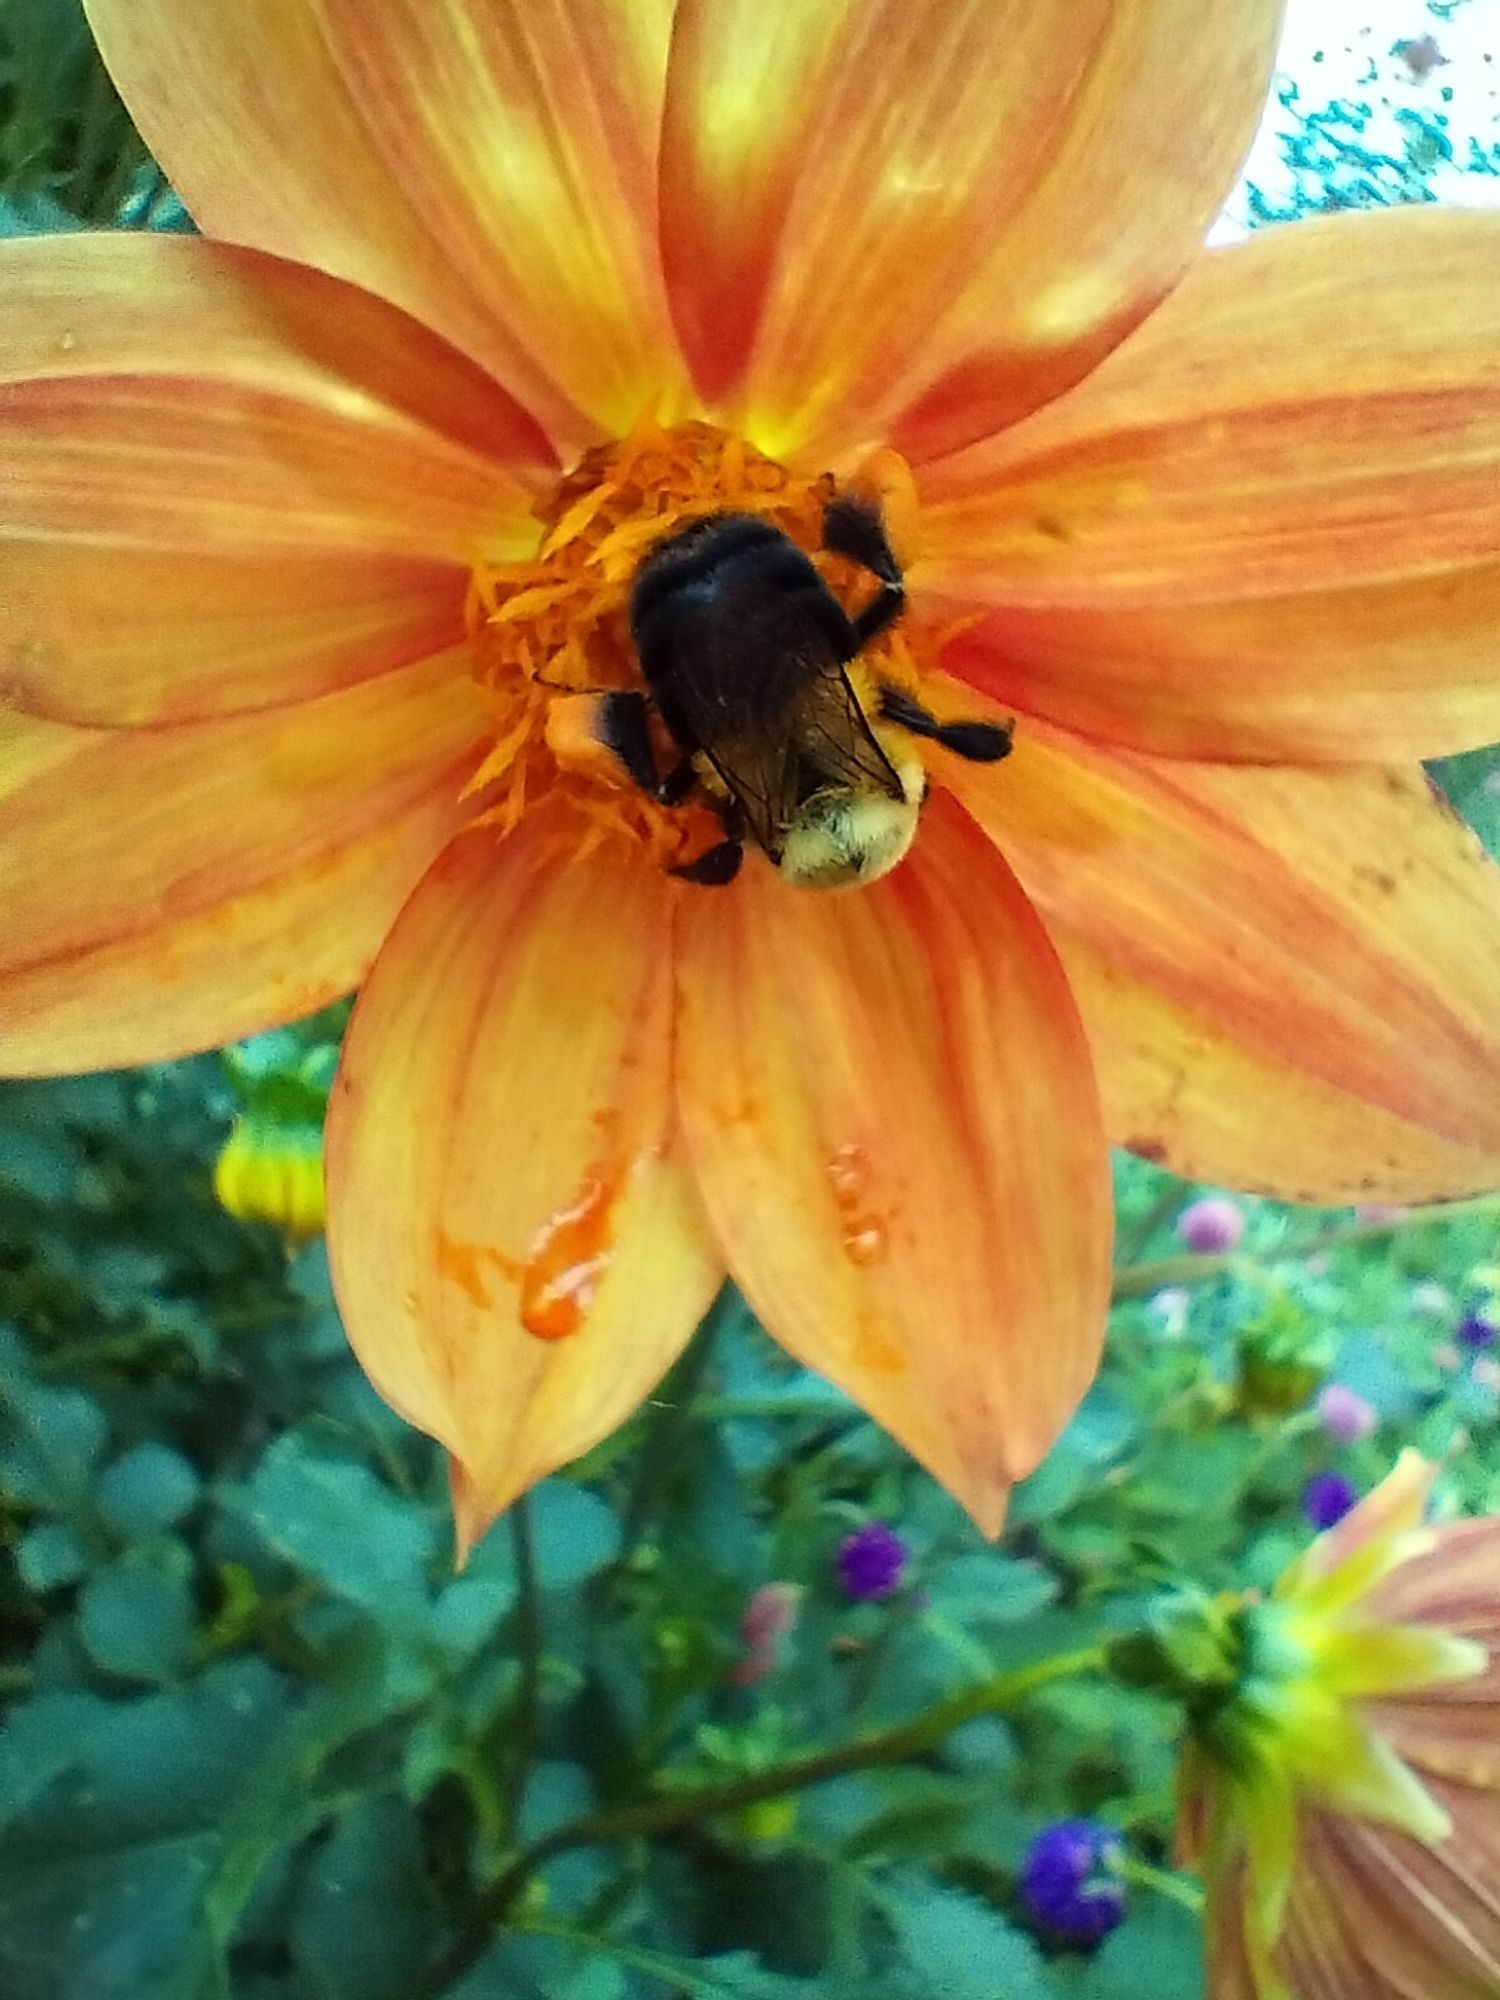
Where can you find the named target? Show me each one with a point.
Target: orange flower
(286, 654)
(1344, 1794)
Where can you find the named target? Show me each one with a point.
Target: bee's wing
(764, 693)
(814, 739)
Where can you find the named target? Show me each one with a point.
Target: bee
(752, 665)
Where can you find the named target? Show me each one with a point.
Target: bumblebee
(752, 665)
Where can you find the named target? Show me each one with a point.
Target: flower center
(559, 671)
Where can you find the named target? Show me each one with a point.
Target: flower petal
(1342, 924)
(207, 100)
(1182, 1089)
(937, 217)
(1267, 527)
(230, 481)
(893, 1120)
(164, 890)
(501, 1155)
(526, 133)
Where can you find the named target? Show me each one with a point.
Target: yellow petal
(1368, 1659)
(517, 1249)
(935, 217)
(1267, 527)
(1341, 923)
(526, 134)
(1369, 1546)
(165, 890)
(894, 1125)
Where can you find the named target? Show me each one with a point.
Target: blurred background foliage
(262, 1742)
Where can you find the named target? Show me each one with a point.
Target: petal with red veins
(893, 1120)
(164, 890)
(526, 131)
(1343, 925)
(232, 482)
(271, 91)
(925, 221)
(1267, 528)
(517, 1248)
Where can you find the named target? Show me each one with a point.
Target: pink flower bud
(1486, 1372)
(1346, 1415)
(1213, 1224)
(766, 1621)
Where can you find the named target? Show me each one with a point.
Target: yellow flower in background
(273, 1172)
(311, 535)
(1341, 1791)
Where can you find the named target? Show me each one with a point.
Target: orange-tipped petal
(163, 890)
(1342, 924)
(526, 134)
(231, 482)
(893, 1121)
(209, 99)
(1267, 527)
(936, 217)
(517, 1248)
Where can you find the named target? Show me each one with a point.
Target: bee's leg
(979, 742)
(853, 528)
(624, 732)
(714, 867)
(678, 782)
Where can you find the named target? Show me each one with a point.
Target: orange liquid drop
(568, 1259)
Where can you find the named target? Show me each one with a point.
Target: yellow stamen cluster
(556, 628)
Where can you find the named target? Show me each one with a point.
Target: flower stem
(529, 1652)
(1179, 1889)
(1135, 1281)
(998, 1695)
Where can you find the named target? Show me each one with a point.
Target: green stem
(998, 1695)
(1177, 1889)
(675, 1409)
(1135, 1281)
(529, 1650)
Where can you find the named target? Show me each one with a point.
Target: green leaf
(50, 1556)
(333, 1518)
(364, 1924)
(49, 1441)
(136, 1616)
(1472, 783)
(961, 1948)
(147, 1489)
(123, 1838)
(577, 1534)
(1158, 1951)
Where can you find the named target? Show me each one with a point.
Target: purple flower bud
(1345, 1414)
(1069, 1881)
(1213, 1224)
(1475, 1330)
(870, 1562)
(1327, 1498)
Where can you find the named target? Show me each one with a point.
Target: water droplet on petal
(862, 1229)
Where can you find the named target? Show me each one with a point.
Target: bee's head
(843, 837)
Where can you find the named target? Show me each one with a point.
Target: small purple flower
(1327, 1498)
(1211, 1225)
(1069, 1880)
(1345, 1414)
(1476, 1330)
(870, 1562)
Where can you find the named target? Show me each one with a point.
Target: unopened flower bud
(1345, 1414)
(1214, 1224)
